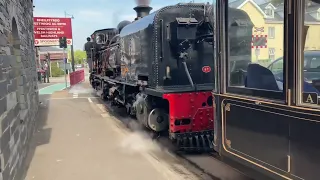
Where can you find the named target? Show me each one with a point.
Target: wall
(18, 85)
(278, 41)
(313, 37)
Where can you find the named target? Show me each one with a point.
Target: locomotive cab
(100, 39)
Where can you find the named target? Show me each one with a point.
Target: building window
(318, 14)
(269, 12)
(272, 53)
(271, 32)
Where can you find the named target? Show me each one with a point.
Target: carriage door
(254, 128)
(305, 126)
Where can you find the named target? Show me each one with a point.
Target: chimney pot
(142, 11)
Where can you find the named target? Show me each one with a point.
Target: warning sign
(259, 41)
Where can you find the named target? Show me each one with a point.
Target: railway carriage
(267, 124)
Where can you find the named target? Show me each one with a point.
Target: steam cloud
(143, 2)
(138, 141)
(80, 90)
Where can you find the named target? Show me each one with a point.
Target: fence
(76, 77)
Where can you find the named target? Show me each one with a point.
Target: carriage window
(255, 61)
(309, 73)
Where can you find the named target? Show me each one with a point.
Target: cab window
(254, 42)
(100, 38)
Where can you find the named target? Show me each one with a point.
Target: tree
(79, 56)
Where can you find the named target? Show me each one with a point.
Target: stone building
(18, 86)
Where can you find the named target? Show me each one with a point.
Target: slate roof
(49, 48)
(236, 3)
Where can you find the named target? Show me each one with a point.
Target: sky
(90, 15)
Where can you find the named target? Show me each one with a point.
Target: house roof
(50, 49)
(53, 56)
(254, 4)
(236, 4)
(311, 15)
(104, 30)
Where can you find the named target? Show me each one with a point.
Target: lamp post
(72, 53)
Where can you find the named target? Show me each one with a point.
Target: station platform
(78, 139)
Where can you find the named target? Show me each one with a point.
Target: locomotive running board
(199, 142)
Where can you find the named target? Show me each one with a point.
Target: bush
(56, 71)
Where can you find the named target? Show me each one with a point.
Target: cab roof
(103, 30)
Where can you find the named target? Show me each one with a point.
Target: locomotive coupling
(194, 141)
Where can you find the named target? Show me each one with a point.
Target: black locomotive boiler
(160, 68)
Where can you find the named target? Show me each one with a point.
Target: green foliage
(55, 70)
(79, 56)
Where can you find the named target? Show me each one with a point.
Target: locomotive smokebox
(143, 9)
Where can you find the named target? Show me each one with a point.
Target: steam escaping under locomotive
(160, 67)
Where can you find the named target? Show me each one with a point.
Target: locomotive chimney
(142, 9)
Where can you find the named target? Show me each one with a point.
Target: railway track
(205, 166)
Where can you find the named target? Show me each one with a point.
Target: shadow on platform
(41, 134)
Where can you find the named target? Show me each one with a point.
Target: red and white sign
(47, 30)
(206, 69)
(259, 41)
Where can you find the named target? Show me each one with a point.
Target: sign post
(65, 67)
(63, 44)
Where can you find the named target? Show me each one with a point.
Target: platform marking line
(159, 165)
(75, 95)
(105, 115)
(102, 108)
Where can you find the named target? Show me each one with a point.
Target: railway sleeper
(199, 142)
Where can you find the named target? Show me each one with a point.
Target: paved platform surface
(77, 139)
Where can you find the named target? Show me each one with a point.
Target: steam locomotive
(160, 67)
